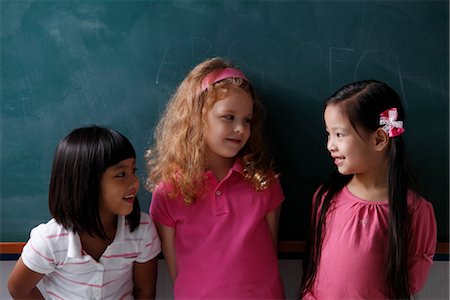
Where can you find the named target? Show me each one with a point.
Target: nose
(238, 127)
(241, 126)
(135, 183)
(331, 145)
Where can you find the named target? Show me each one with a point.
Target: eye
(120, 174)
(228, 117)
(339, 135)
(134, 170)
(248, 120)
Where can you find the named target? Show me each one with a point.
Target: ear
(381, 140)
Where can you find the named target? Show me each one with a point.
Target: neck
(220, 166)
(371, 187)
(109, 224)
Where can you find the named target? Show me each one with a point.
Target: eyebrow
(338, 127)
(122, 165)
(233, 112)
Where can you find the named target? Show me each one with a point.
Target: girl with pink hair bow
(372, 235)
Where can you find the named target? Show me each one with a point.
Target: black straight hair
(363, 102)
(80, 160)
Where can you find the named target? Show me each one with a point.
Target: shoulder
(421, 212)
(418, 204)
(145, 232)
(423, 226)
(276, 193)
(47, 245)
(275, 184)
(271, 184)
(163, 189)
(323, 191)
(145, 220)
(144, 239)
(164, 196)
(145, 225)
(50, 230)
(273, 193)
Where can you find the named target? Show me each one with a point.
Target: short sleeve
(277, 195)
(159, 209)
(37, 254)
(151, 245)
(422, 244)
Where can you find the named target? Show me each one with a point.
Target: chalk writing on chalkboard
(66, 64)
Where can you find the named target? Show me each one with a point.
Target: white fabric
(73, 274)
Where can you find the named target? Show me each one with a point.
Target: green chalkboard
(66, 64)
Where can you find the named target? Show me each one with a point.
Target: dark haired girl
(98, 244)
(372, 235)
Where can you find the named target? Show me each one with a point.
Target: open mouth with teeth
(129, 198)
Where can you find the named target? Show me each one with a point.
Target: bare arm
(167, 236)
(272, 219)
(144, 279)
(22, 282)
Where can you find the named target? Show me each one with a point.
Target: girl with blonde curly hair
(216, 198)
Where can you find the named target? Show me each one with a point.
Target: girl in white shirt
(99, 245)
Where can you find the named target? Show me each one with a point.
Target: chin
(344, 172)
(125, 212)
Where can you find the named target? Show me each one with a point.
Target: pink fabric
(223, 245)
(221, 74)
(354, 250)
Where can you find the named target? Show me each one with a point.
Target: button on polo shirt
(220, 199)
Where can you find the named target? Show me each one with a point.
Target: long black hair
(80, 160)
(363, 102)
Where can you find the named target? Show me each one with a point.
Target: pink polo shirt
(223, 245)
(354, 251)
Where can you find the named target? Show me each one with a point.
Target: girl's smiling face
(351, 151)
(228, 125)
(118, 188)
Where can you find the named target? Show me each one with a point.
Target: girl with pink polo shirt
(372, 235)
(216, 198)
(98, 245)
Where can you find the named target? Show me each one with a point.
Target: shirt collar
(120, 233)
(74, 247)
(237, 167)
(74, 242)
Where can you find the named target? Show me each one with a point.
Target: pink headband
(221, 74)
(391, 126)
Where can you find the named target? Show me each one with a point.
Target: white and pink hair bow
(388, 119)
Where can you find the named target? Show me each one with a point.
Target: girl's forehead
(238, 100)
(125, 162)
(227, 88)
(335, 113)
(229, 92)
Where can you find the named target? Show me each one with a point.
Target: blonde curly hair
(178, 156)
